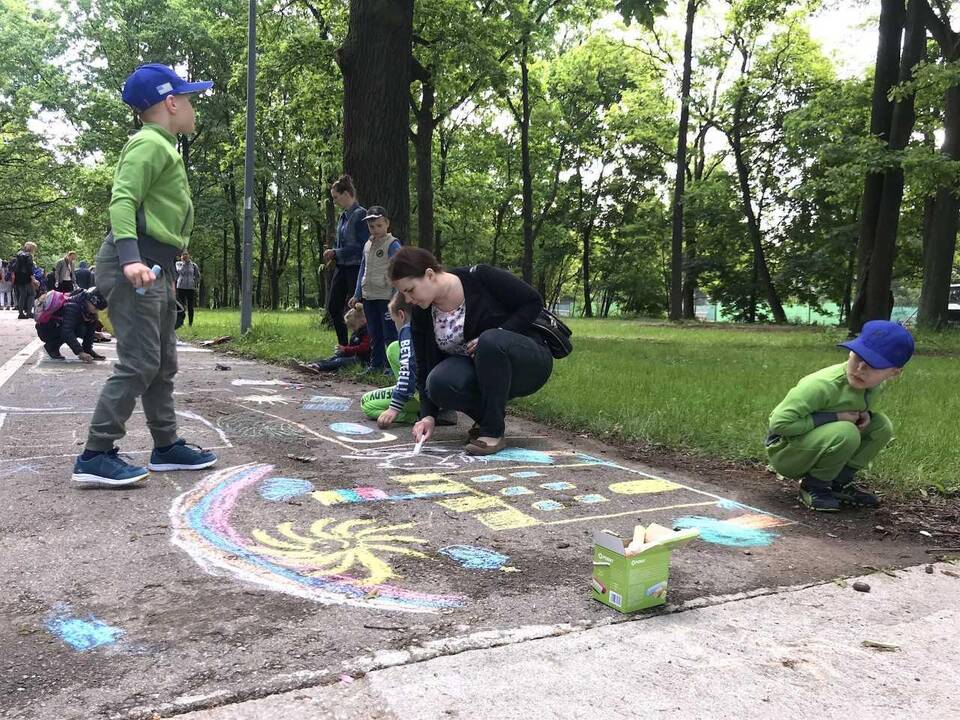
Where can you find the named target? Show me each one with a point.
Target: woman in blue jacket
(347, 250)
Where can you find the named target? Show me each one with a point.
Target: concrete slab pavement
(820, 652)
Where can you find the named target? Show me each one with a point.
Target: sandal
(479, 447)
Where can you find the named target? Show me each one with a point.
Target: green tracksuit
(151, 215)
(376, 401)
(805, 437)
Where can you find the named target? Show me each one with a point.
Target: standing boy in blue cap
(151, 216)
(826, 428)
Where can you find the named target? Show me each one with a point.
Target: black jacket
(76, 323)
(494, 298)
(23, 268)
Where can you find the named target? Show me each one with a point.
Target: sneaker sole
(165, 467)
(87, 479)
(809, 506)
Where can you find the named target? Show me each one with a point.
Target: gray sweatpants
(146, 351)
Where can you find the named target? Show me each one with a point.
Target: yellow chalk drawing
(489, 510)
(641, 487)
(339, 549)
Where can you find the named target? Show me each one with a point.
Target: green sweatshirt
(151, 213)
(816, 400)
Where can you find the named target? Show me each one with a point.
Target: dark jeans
(506, 365)
(186, 298)
(342, 286)
(52, 338)
(381, 330)
(26, 294)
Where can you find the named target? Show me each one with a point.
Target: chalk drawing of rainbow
(202, 527)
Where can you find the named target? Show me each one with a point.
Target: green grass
(702, 388)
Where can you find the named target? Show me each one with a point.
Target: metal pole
(246, 286)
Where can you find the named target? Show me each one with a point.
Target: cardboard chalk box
(629, 582)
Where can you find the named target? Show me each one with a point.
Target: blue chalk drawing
(558, 486)
(731, 505)
(516, 490)
(590, 498)
(526, 474)
(591, 460)
(488, 478)
(475, 558)
(548, 505)
(328, 403)
(518, 455)
(282, 489)
(724, 532)
(83, 634)
(348, 428)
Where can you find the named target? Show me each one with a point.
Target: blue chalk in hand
(156, 270)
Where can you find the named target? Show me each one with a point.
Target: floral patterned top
(448, 329)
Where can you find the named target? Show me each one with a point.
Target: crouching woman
(474, 341)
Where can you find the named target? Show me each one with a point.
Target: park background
(549, 137)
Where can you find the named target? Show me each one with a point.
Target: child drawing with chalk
(827, 428)
(398, 403)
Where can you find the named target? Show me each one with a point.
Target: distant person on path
(474, 341)
(373, 285)
(347, 250)
(84, 276)
(397, 404)
(25, 283)
(74, 325)
(6, 287)
(188, 281)
(151, 216)
(64, 275)
(827, 428)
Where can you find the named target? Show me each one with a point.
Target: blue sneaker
(107, 469)
(181, 456)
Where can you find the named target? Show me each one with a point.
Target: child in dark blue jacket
(74, 325)
(398, 403)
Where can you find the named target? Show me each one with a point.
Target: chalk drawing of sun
(338, 549)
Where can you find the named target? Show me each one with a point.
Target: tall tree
(940, 236)
(375, 62)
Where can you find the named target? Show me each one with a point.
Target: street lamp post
(246, 284)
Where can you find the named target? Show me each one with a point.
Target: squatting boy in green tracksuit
(826, 428)
(151, 215)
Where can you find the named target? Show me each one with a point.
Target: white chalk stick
(419, 445)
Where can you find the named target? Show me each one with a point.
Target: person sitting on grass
(398, 403)
(76, 320)
(356, 351)
(827, 428)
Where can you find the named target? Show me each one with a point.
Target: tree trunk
(941, 241)
(761, 271)
(441, 182)
(892, 17)
(676, 251)
(231, 190)
(375, 63)
(262, 221)
(301, 289)
(526, 265)
(225, 284)
(423, 140)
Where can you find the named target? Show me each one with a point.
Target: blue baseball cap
(151, 83)
(882, 344)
